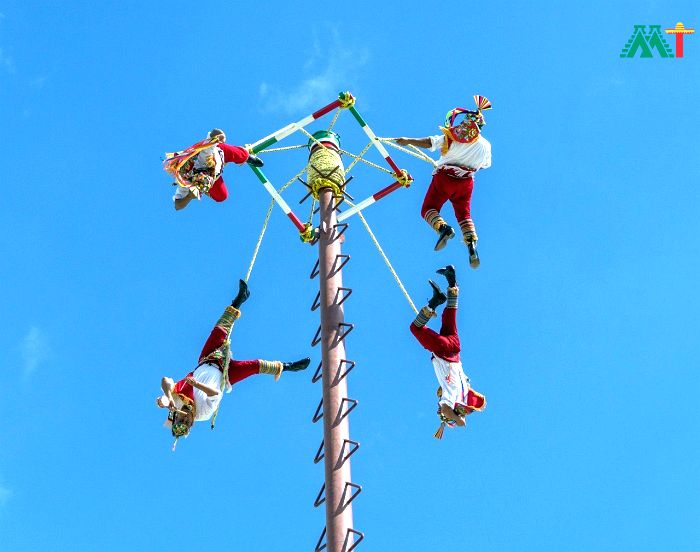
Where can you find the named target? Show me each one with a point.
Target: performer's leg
(218, 191)
(241, 369)
(221, 330)
(234, 154)
(449, 314)
(429, 339)
(434, 199)
(461, 203)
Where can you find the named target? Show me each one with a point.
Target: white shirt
(205, 406)
(476, 155)
(454, 383)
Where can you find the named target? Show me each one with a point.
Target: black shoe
(243, 294)
(447, 233)
(449, 273)
(474, 261)
(297, 366)
(438, 297)
(254, 161)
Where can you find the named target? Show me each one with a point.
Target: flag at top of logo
(647, 41)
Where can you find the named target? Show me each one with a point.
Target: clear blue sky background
(580, 326)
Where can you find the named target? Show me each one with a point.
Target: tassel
(174, 444)
(440, 431)
(482, 102)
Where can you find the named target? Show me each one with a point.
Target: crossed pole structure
(345, 101)
(338, 491)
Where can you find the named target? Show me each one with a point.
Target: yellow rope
(378, 167)
(346, 100)
(416, 153)
(285, 148)
(260, 238)
(386, 259)
(335, 118)
(267, 220)
(357, 159)
(315, 140)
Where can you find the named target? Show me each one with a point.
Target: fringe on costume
(452, 297)
(272, 367)
(433, 218)
(424, 315)
(468, 230)
(440, 431)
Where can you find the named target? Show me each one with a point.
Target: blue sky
(580, 326)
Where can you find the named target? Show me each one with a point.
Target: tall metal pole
(336, 434)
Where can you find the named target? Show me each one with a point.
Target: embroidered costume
(198, 395)
(203, 171)
(210, 369)
(464, 151)
(454, 389)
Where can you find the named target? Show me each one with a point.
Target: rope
(260, 238)
(415, 153)
(335, 118)
(302, 129)
(386, 259)
(266, 221)
(285, 148)
(378, 167)
(357, 159)
(313, 206)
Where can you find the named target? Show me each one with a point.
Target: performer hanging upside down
(456, 399)
(202, 172)
(196, 397)
(463, 151)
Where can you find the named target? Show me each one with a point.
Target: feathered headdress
(468, 133)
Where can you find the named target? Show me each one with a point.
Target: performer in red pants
(196, 397)
(456, 399)
(463, 151)
(203, 171)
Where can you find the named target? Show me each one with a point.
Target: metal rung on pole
(339, 417)
(343, 457)
(354, 544)
(319, 412)
(321, 499)
(320, 454)
(357, 489)
(338, 375)
(319, 374)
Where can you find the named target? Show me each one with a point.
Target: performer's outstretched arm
(418, 142)
(209, 391)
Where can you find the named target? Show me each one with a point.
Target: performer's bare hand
(191, 381)
(164, 402)
(401, 141)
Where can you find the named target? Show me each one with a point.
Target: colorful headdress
(475, 402)
(464, 125)
(177, 427)
(482, 104)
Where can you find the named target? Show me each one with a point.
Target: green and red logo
(646, 41)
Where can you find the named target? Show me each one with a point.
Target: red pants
(446, 343)
(237, 369)
(457, 190)
(232, 154)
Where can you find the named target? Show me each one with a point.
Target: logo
(647, 41)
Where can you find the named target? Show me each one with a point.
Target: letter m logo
(646, 41)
